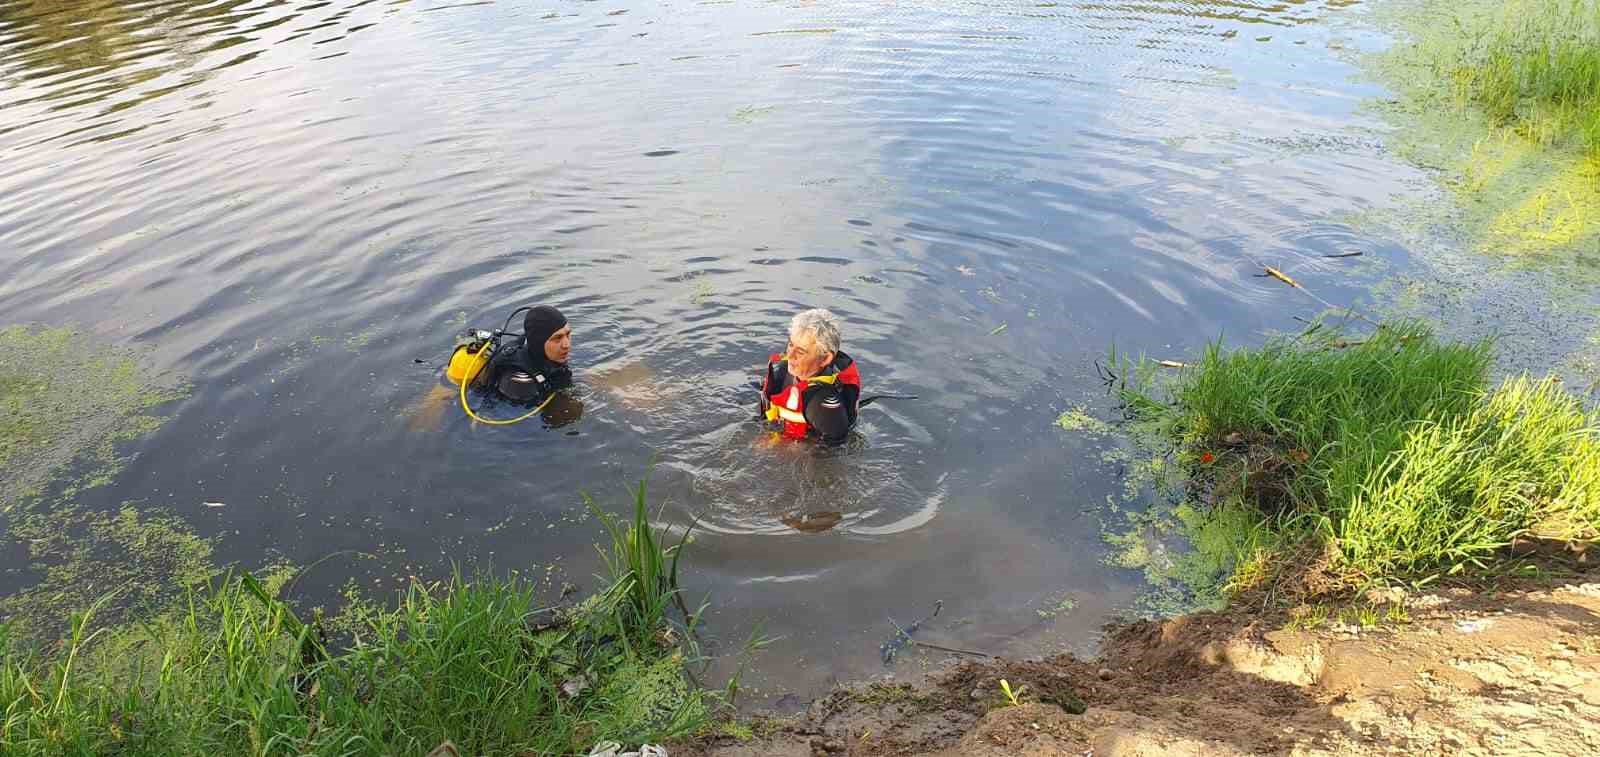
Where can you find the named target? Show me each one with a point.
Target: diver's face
(805, 357)
(559, 346)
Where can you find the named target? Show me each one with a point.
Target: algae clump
(1079, 419)
(68, 400)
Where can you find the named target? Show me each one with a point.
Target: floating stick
(1281, 276)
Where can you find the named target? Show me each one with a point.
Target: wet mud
(1473, 673)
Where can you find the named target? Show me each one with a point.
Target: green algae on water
(1185, 555)
(138, 559)
(650, 697)
(1057, 605)
(67, 399)
(69, 403)
(1079, 419)
(1521, 167)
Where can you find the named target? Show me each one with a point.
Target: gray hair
(819, 324)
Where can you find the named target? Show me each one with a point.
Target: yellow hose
(467, 380)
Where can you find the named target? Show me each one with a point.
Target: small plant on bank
(1012, 695)
(1364, 617)
(1397, 614)
(1309, 617)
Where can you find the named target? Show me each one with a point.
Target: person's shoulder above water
(844, 369)
(537, 365)
(528, 368)
(813, 388)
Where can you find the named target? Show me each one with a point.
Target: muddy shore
(1510, 671)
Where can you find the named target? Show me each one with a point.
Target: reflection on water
(428, 412)
(296, 202)
(812, 523)
(84, 61)
(746, 479)
(565, 409)
(635, 385)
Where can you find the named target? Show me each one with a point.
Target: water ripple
(296, 202)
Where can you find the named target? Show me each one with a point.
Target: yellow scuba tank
(469, 358)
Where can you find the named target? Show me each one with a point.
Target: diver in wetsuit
(529, 371)
(812, 389)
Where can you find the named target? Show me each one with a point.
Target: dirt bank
(1490, 673)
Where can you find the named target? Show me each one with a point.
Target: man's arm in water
(832, 413)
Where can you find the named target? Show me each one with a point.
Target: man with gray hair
(812, 388)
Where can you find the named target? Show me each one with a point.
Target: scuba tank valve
(473, 350)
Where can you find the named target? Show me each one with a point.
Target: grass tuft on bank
(1375, 459)
(475, 662)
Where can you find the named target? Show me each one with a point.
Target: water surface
(295, 202)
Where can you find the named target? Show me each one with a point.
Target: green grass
(1390, 456)
(1536, 67)
(478, 663)
(1500, 101)
(644, 570)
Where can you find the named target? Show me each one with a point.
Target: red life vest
(787, 404)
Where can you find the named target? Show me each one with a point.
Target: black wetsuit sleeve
(831, 411)
(851, 394)
(767, 387)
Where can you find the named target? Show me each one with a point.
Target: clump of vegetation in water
(1536, 68)
(1503, 99)
(476, 663)
(1346, 462)
(66, 398)
(68, 405)
(1188, 554)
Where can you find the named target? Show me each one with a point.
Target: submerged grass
(477, 663)
(1535, 67)
(1503, 99)
(1389, 457)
